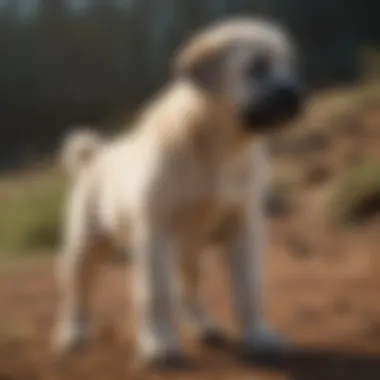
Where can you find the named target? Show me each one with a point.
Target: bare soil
(326, 303)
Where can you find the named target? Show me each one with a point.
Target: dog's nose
(280, 101)
(287, 97)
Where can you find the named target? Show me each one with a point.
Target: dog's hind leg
(84, 252)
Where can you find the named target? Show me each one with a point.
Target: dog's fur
(192, 167)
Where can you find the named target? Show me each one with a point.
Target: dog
(193, 168)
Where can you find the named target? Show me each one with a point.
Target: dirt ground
(322, 286)
(327, 305)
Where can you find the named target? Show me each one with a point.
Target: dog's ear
(201, 62)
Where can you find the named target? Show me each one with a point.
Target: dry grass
(356, 196)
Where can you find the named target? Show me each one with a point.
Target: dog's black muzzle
(278, 103)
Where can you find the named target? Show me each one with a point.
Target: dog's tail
(78, 150)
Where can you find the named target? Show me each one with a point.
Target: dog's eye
(259, 68)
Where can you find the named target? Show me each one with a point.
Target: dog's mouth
(270, 120)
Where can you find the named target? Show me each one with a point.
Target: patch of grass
(356, 197)
(30, 216)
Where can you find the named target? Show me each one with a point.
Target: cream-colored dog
(193, 166)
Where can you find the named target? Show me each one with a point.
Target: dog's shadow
(307, 364)
(300, 364)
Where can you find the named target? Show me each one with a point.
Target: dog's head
(251, 66)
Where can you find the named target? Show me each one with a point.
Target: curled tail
(78, 150)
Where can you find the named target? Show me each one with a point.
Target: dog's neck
(211, 125)
(217, 128)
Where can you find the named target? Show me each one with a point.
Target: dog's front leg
(155, 291)
(245, 251)
(194, 262)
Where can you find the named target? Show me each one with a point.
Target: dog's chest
(233, 182)
(217, 194)
(228, 184)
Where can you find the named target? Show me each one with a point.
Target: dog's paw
(264, 343)
(167, 361)
(158, 351)
(162, 359)
(215, 337)
(69, 339)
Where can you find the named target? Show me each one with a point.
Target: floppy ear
(202, 63)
